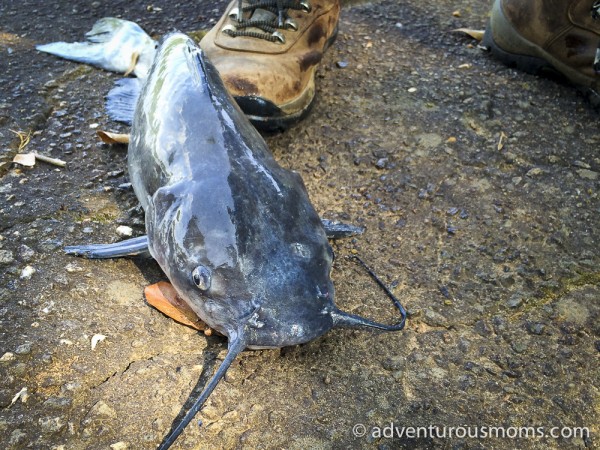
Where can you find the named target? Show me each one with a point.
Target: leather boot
(267, 53)
(563, 35)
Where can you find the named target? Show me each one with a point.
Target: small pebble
(26, 253)
(519, 347)
(124, 231)
(381, 163)
(23, 349)
(6, 257)
(27, 272)
(534, 172)
(536, 328)
(515, 301)
(342, 64)
(58, 402)
(115, 173)
(50, 245)
(394, 363)
(51, 425)
(8, 356)
(119, 446)
(582, 164)
(72, 267)
(451, 229)
(587, 174)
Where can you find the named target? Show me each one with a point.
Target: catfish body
(217, 203)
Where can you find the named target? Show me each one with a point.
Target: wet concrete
(494, 251)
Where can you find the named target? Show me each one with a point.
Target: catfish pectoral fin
(122, 98)
(237, 343)
(130, 247)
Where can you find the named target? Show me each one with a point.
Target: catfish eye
(201, 278)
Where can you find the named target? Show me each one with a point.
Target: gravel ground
(493, 249)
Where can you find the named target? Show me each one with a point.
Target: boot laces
(262, 19)
(596, 16)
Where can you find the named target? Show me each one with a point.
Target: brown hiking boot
(267, 53)
(561, 35)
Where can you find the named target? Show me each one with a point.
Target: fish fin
(130, 247)
(84, 52)
(104, 29)
(346, 320)
(109, 45)
(337, 230)
(122, 98)
(237, 343)
(163, 296)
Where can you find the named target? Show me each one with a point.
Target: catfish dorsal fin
(237, 343)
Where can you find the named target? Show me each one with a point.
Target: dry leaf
(112, 138)
(28, 160)
(25, 159)
(475, 34)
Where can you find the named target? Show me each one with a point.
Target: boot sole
(500, 36)
(277, 121)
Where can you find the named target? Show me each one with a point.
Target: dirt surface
(494, 251)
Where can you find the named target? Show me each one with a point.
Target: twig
(47, 159)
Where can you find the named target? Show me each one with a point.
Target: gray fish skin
(216, 199)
